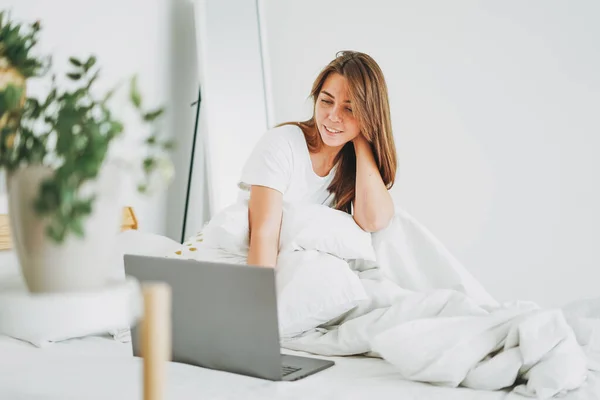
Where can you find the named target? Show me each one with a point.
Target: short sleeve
(270, 163)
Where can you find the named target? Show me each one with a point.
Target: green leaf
(116, 127)
(12, 96)
(34, 107)
(67, 196)
(134, 93)
(90, 168)
(153, 115)
(55, 233)
(48, 199)
(75, 62)
(108, 95)
(77, 227)
(90, 63)
(74, 76)
(149, 164)
(63, 143)
(83, 207)
(169, 144)
(49, 99)
(64, 131)
(91, 81)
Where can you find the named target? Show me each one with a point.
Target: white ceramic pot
(77, 264)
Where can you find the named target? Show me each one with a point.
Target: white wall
(495, 112)
(151, 38)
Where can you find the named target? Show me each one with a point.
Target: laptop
(224, 317)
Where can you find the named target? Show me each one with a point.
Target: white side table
(43, 318)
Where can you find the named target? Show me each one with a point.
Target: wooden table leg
(156, 338)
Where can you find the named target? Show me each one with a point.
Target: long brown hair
(370, 105)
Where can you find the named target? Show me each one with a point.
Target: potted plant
(62, 182)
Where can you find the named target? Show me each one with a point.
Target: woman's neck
(324, 159)
(329, 153)
(321, 155)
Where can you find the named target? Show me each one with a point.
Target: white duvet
(398, 294)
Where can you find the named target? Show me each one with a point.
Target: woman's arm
(373, 205)
(265, 210)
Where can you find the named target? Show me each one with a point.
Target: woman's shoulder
(280, 141)
(284, 137)
(288, 132)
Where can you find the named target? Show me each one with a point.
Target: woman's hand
(373, 205)
(360, 140)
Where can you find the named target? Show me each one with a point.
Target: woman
(343, 157)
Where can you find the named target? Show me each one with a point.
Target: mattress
(98, 367)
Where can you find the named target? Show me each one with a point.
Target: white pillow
(318, 227)
(313, 288)
(201, 252)
(304, 227)
(140, 243)
(228, 230)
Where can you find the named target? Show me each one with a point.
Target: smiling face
(354, 76)
(335, 120)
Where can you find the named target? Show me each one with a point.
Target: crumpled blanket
(444, 337)
(428, 316)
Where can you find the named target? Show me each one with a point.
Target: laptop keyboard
(286, 370)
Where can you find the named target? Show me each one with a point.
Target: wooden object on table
(155, 338)
(129, 222)
(5, 240)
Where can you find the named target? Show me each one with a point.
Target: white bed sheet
(101, 368)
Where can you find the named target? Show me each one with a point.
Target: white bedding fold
(444, 337)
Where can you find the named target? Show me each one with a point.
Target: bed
(100, 367)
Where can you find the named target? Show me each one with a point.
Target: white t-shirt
(281, 161)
